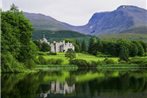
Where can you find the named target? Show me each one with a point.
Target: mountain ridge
(119, 20)
(124, 18)
(44, 22)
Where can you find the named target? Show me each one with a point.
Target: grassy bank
(83, 56)
(86, 61)
(56, 67)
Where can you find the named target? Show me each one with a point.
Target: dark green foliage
(70, 54)
(83, 63)
(124, 53)
(38, 44)
(58, 35)
(42, 53)
(110, 48)
(123, 50)
(109, 61)
(83, 46)
(52, 53)
(94, 64)
(92, 49)
(137, 60)
(120, 48)
(133, 50)
(140, 48)
(95, 46)
(27, 53)
(77, 46)
(79, 62)
(144, 45)
(14, 8)
(16, 38)
(99, 45)
(42, 60)
(45, 47)
(55, 61)
(10, 64)
(142, 62)
(42, 46)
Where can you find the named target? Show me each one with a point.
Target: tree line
(119, 48)
(17, 48)
(114, 48)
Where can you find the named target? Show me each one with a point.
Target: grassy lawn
(88, 57)
(58, 56)
(118, 66)
(83, 56)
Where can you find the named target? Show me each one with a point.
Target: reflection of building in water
(59, 88)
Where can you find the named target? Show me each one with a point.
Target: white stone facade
(61, 46)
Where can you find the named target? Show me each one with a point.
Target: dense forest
(18, 50)
(118, 48)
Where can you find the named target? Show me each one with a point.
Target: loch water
(75, 84)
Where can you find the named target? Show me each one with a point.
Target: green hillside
(124, 36)
(137, 30)
(58, 35)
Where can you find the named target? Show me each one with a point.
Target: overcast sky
(75, 12)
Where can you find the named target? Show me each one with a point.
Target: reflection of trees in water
(78, 72)
(19, 86)
(118, 85)
(29, 85)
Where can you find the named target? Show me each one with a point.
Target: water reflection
(56, 87)
(76, 84)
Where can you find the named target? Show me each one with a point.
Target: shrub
(55, 61)
(138, 60)
(30, 63)
(93, 64)
(84, 63)
(71, 54)
(143, 64)
(109, 61)
(100, 62)
(122, 61)
(42, 60)
(52, 53)
(10, 64)
(42, 53)
(79, 62)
